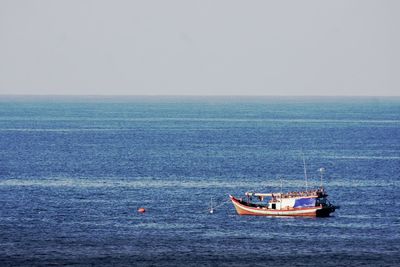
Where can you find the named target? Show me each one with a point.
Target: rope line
(223, 203)
(217, 206)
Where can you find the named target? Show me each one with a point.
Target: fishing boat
(301, 203)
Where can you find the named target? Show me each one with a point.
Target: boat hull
(317, 211)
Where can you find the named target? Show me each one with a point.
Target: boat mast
(280, 201)
(305, 172)
(321, 171)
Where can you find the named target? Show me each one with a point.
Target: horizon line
(187, 95)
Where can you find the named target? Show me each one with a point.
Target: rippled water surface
(73, 172)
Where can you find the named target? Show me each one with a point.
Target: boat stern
(325, 211)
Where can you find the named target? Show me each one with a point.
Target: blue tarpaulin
(304, 202)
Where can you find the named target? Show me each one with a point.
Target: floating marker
(141, 210)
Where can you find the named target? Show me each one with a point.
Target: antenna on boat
(305, 172)
(211, 206)
(321, 171)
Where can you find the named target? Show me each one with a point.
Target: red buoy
(141, 210)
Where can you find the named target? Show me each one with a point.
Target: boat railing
(309, 193)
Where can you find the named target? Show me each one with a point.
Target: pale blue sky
(343, 47)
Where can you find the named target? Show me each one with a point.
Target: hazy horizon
(187, 96)
(212, 48)
(194, 95)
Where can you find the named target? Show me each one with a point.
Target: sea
(75, 169)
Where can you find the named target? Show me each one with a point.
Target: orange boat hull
(242, 209)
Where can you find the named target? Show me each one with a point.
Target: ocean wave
(143, 183)
(363, 157)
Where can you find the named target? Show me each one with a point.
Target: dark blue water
(73, 172)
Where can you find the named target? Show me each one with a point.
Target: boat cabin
(290, 200)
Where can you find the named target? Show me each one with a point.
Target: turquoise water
(73, 172)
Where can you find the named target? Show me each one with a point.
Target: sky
(216, 47)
